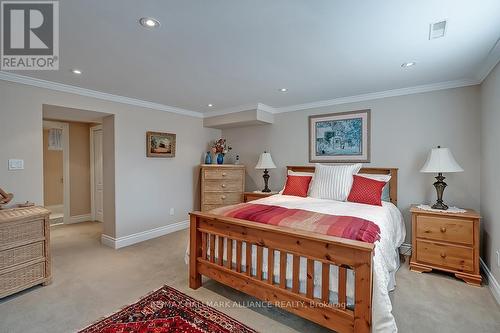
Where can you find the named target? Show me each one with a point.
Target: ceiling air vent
(437, 30)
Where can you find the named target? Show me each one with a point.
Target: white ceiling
(231, 53)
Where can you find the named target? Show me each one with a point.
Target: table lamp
(265, 162)
(440, 160)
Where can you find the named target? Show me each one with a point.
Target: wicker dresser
(221, 185)
(24, 249)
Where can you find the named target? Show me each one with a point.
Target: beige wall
(403, 131)
(145, 188)
(490, 160)
(79, 168)
(53, 189)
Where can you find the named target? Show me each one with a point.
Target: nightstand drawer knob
(443, 255)
(443, 229)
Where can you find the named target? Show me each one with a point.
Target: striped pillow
(333, 182)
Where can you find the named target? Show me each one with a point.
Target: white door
(98, 187)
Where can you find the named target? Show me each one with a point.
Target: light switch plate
(16, 164)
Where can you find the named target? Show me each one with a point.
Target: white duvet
(385, 260)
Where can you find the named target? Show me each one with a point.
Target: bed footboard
(207, 229)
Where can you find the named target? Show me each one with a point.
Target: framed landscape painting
(160, 144)
(340, 137)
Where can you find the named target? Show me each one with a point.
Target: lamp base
(266, 180)
(440, 185)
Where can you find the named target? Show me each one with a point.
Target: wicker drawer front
(211, 198)
(445, 229)
(223, 174)
(447, 256)
(21, 254)
(223, 186)
(11, 233)
(20, 277)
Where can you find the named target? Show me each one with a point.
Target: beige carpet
(91, 281)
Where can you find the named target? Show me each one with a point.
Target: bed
(339, 283)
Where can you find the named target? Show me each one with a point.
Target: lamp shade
(441, 160)
(265, 162)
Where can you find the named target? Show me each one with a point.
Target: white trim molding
(80, 218)
(380, 94)
(492, 282)
(117, 243)
(489, 62)
(11, 77)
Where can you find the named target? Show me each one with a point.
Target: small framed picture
(160, 144)
(340, 137)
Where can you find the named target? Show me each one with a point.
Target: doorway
(96, 174)
(56, 170)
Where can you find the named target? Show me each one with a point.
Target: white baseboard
(142, 236)
(492, 282)
(79, 218)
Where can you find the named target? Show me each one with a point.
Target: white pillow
(333, 182)
(380, 178)
(298, 173)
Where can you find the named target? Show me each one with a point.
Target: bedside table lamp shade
(440, 160)
(265, 162)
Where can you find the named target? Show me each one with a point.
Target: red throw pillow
(297, 185)
(367, 191)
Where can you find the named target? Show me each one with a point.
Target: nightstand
(251, 196)
(447, 242)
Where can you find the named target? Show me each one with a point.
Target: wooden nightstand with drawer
(447, 242)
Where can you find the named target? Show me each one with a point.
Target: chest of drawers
(446, 241)
(24, 249)
(221, 185)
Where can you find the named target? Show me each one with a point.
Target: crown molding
(380, 94)
(489, 63)
(11, 77)
(240, 108)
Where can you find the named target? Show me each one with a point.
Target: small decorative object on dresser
(440, 160)
(446, 241)
(220, 148)
(221, 185)
(251, 196)
(5, 197)
(160, 144)
(265, 162)
(24, 249)
(208, 158)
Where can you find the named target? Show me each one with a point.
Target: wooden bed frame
(328, 250)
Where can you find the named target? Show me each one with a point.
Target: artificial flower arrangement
(220, 146)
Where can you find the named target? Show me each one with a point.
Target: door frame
(47, 124)
(92, 171)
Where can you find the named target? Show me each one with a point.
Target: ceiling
(231, 53)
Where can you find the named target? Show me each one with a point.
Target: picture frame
(159, 144)
(342, 137)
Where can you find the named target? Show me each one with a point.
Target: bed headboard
(393, 183)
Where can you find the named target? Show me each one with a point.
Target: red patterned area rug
(168, 310)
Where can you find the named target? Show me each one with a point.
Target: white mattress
(385, 261)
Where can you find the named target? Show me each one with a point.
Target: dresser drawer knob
(443, 229)
(224, 174)
(223, 197)
(443, 255)
(223, 185)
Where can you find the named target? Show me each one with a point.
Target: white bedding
(385, 261)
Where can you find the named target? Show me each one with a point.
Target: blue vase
(220, 158)
(208, 158)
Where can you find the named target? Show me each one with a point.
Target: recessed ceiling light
(283, 89)
(408, 64)
(149, 22)
(210, 105)
(76, 71)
